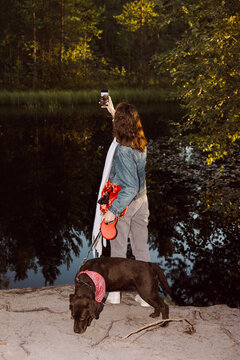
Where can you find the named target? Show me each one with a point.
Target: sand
(36, 324)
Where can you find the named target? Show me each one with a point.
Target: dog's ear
(94, 309)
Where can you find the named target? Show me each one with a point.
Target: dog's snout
(79, 330)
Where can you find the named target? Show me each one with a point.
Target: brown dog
(119, 274)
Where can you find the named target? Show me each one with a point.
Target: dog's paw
(154, 315)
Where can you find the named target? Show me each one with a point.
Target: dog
(115, 274)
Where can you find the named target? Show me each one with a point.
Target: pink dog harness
(99, 283)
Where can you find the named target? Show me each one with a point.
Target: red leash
(107, 230)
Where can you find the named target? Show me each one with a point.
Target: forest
(186, 45)
(71, 43)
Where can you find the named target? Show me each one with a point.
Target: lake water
(51, 166)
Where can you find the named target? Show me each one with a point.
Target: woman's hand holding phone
(109, 106)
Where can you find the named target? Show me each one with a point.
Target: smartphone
(104, 97)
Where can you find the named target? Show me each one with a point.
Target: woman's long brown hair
(127, 127)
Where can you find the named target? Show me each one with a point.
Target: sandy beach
(36, 324)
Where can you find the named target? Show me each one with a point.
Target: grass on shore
(55, 98)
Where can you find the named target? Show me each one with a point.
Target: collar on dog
(99, 283)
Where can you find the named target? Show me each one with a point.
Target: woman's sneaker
(113, 297)
(141, 301)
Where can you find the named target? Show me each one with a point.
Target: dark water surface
(51, 166)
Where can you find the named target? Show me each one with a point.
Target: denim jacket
(128, 171)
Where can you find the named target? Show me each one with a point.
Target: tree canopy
(73, 44)
(204, 65)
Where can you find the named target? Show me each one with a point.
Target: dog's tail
(162, 279)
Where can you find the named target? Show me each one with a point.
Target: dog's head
(83, 310)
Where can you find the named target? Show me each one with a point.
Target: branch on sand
(190, 330)
(9, 309)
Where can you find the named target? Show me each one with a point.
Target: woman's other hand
(109, 106)
(108, 217)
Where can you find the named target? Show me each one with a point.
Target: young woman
(128, 171)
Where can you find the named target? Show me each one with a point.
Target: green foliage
(77, 43)
(137, 14)
(83, 22)
(205, 66)
(140, 23)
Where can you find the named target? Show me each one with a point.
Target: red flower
(109, 194)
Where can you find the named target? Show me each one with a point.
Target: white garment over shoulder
(105, 176)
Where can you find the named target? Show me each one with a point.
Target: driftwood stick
(160, 322)
(9, 309)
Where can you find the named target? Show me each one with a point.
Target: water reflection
(50, 172)
(201, 240)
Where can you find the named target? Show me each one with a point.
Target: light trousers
(134, 226)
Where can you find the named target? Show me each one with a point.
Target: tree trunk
(142, 62)
(84, 54)
(34, 48)
(61, 40)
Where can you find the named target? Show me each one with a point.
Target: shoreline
(78, 97)
(36, 324)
